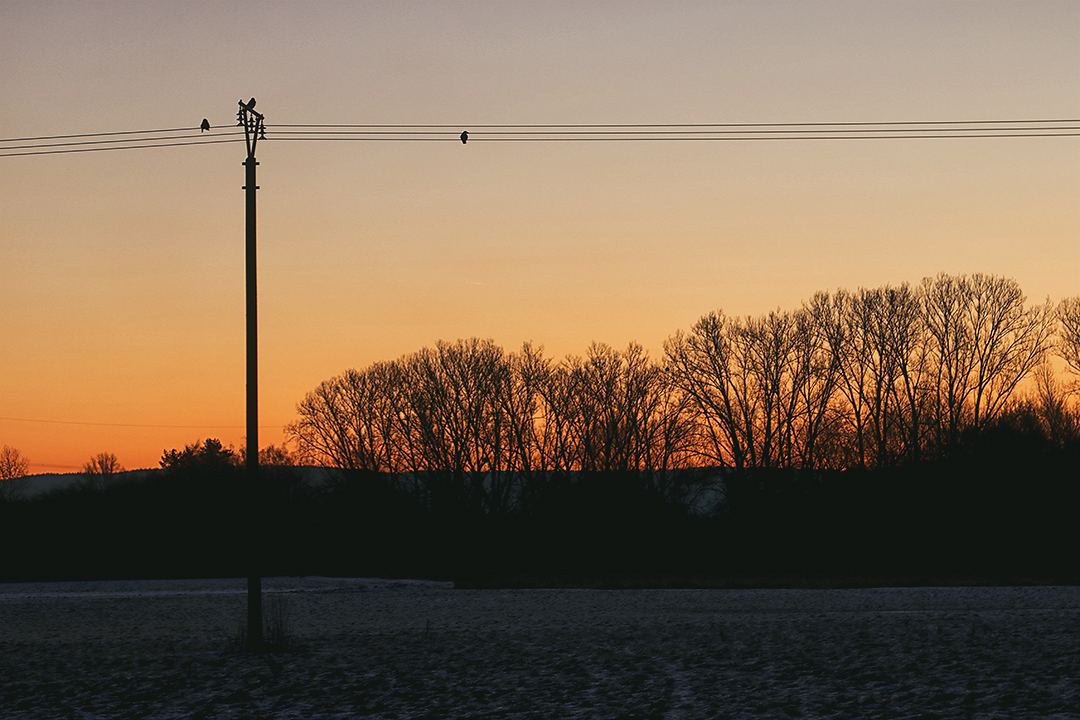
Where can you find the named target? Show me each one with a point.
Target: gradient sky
(121, 273)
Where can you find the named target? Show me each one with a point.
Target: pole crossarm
(253, 124)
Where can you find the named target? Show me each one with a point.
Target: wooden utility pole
(253, 131)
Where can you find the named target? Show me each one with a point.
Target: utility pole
(253, 131)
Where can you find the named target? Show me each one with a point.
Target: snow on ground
(398, 649)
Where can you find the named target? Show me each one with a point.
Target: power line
(117, 147)
(120, 140)
(542, 126)
(677, 139)
(657, 137)
(111, 142)
(673, 132)
(557, 132)
(98, 134)
(696, 125)
(568, 138)
(134, 425)
(595, 132)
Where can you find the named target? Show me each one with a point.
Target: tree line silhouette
(872, 379)
(873, 436)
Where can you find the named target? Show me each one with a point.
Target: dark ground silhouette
(1001, 509)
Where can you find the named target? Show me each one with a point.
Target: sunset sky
(122, 273)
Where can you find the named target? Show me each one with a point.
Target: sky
(122, 273)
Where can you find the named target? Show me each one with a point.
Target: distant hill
(37, 485)
(34, 486)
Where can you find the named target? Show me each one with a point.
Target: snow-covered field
(383, 649)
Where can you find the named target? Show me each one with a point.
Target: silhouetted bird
(251, 103)
(205, 125)
(464, 136)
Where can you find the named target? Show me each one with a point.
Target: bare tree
(100, 469)
(885, 362)
(458, 412)
(671, 438)
(12, 464)
(523, 404)
(825, 446)
(1010, 341)
(984, 342)
(907, 341)
(763, 353)
(618, 406)
(756, 390)
(324, 433)
(817, 362)
(557, 433)
(1068, 340)
(1051, 397)
(13, 468)
(945, 299)
(700, 365)
(346, 422)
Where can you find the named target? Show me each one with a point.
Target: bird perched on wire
(205, 125)
(464, 136)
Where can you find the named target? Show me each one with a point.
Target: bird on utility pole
(205, 125)
(464, 136)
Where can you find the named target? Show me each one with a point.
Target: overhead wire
(124, 147)
(97, 134)
(114, 141)
(640, 132)
(195, 141)
(667, 125)
(689, 133)
(656, 137)
(555, 132)
(133, 425)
